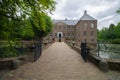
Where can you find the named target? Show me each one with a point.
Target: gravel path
(58, 62)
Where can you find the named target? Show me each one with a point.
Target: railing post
(98, 49)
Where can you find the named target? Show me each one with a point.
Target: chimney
(85, 12)
(65, 19)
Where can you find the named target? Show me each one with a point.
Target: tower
(86, 29)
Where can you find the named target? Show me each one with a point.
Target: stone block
(15, 64)
(103, 65)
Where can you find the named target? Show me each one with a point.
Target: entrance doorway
(60, 36)
(59, 40)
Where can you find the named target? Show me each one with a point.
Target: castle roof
(74, 22)
(86, 17)
(68, 22)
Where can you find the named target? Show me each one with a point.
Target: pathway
(58, 62)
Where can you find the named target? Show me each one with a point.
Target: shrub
(7, 52)
(115, 41)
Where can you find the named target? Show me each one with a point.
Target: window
(92, 25)
(92, 33)
(85, 33)
(85, 25)
(92, 40)
(59, 27)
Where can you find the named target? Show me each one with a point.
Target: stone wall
(7, 62)
(109, 63)
(114, 64)
(15, 62)
(31, 53)
(85, 32)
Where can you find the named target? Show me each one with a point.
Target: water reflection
(111, 51)
(103, 54)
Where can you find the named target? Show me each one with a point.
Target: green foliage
(7, 49)
(7, 52)
(115, 41)
(48, 26)
(24, 19)
(118, 11)
(38, 24)
(111, 34)
(117, 30)
(14, 13)
(41, 26)
(27, 31)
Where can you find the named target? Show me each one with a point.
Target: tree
(27, 31)
(117, 30)
(111, 32)
(103, 34)
(48, 26)
(19, 10)
(118, 11)
(16, 15)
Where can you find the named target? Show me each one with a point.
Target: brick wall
(86, 30)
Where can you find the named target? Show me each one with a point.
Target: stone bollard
(103, 65)
(15, 64)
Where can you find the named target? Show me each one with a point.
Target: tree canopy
(118, 11)
(19, 15)
(23, 19)
(110, 34)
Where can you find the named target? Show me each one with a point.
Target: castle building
(84, 29)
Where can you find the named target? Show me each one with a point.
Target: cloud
(103, 10)
(106, 18)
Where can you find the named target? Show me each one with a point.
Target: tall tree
(16, 15)
(18, 10)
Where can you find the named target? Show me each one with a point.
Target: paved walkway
(58, 62)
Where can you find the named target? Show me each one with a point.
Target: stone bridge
(60, 62)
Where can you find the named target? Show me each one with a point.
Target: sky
(102, 10)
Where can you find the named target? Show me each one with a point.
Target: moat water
(111, 51)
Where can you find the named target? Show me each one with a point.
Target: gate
(38, 50)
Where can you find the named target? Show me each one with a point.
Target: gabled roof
(68, 22)
(86, 17)
(74, 22)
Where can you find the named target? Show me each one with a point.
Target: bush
(115, 41)
(7, 52)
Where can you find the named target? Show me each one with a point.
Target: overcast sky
(102, 10)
